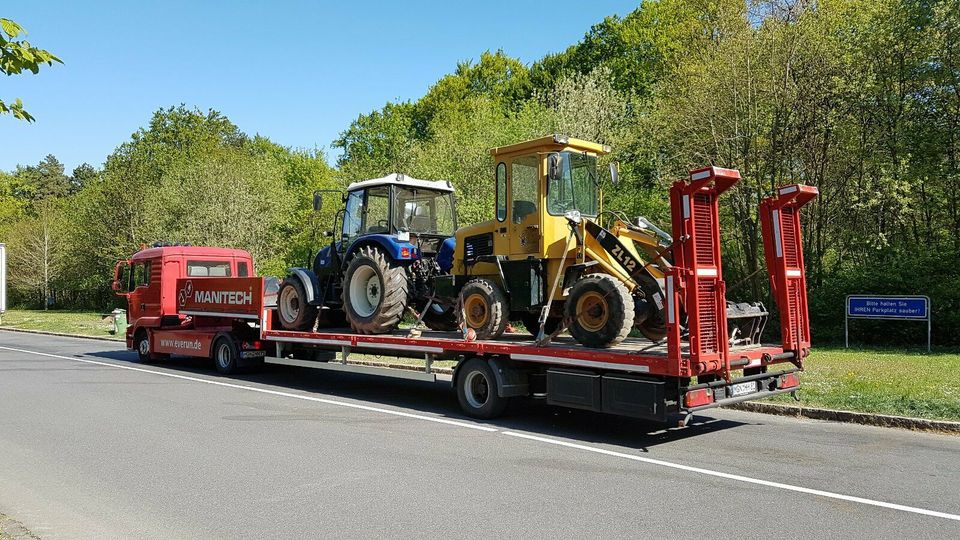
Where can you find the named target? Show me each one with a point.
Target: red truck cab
(148, 280)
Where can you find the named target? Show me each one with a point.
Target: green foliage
(17, 56)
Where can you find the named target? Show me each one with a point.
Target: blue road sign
(888, 307)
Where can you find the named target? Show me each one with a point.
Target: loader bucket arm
(783, 251)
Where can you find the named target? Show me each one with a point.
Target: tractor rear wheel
(485, 308)
(295, 312)
(374, 292)
(600, 311)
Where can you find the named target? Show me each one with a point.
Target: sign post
(890, 308)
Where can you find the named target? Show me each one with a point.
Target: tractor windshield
(575, 187)
(424, 211)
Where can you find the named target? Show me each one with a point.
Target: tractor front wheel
(484, 308)
(599, 310)
(295, 312)
(374, 292)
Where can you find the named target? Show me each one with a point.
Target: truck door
(524, 223)
(144, 299)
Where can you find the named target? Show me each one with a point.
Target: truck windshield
(423, 211)
(576, 186)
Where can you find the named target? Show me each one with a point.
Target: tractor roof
(398, 179)
(552, 143)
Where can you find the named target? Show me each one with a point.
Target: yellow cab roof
(552, 143)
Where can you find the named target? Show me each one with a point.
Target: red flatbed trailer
(692, 370)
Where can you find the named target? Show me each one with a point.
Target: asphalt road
(95, 445)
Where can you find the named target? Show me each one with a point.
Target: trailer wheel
(374, 292)
(477, 390)
(484, 308)
(599, 310)
(225, 355)
(142, 343)
(295, 312)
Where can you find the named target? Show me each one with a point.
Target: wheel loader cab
(536, 183)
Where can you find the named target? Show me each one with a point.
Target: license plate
(253, 354)
(742, 389)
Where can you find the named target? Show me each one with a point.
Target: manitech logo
(234, 298)
(185, 293)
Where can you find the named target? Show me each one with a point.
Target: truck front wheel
(477, 390)
(374, 292)
(142, 342)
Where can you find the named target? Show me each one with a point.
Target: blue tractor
(396, 235)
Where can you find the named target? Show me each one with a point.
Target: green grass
(905, 383)
(86, 323)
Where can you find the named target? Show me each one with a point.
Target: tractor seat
(376, 229)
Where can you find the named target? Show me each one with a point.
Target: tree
(36, 253)
(17, 56)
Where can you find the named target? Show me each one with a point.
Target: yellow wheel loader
(545, 259)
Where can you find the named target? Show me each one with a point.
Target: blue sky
(296, 72)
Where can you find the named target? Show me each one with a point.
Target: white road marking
(603, 451)
(737, 477)
(265, 391)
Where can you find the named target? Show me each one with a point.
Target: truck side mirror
(317, 201)
(553, 166)
(614, 172)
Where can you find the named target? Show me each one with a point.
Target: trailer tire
(226, 355)
(295, 313)
(484, 308)
(477, 390)
(599, 311)
(374, 292)
(141, 342)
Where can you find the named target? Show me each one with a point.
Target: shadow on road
(527, 415)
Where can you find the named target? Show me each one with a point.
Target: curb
(59, 334)
(813, 413)
(850, 417)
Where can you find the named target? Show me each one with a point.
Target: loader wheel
(374, 292)
(295, 312)
(484, 308)
(440, 318)
(532, 323)
(600, 311)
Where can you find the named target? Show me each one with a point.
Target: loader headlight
(573, 216)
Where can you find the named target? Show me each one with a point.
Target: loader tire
(295, 313)
(599, 310)
(484, 308)
(374, 292)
